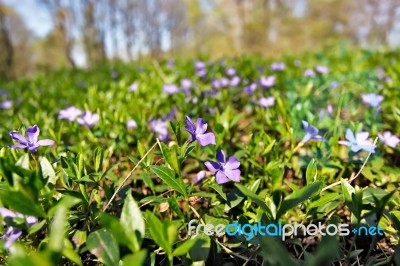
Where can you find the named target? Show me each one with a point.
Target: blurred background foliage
(105, 31)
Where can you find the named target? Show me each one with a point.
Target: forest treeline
(101, 31)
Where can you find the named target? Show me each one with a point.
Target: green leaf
(247, 192)
(98, 159)
(56, 239)
(21, 203)
(132, 222)
(103, 245)
(170, 156)
(185, 247)
(311, 173)
(218, 189)
(159, 235)
(173, 204)
(297, 197)
(274, 253)
(48, 171)
(323, 200)
(168, 176)
(136, 259)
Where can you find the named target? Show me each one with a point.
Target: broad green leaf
(56, 239)
(296, 198)
(274, 253)
(323, 200)
(168, 176)
(102, 244)
(218, 189)
(247, 192)
(132, 222)
(311, 173)
(158, 232)
(136, 259)
(21, 203)
(185, 247)
(47, 170)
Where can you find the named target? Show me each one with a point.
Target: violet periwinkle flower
(114, 74)
(277, 66)
(224, 81)
(266, 101)
(334, 84)
(250, 89)
(199, 65)
(309, 73)
(70, 113)
(260, 69)
(171, 63)
(225, 170)
(88, 119)
(170, 89)
(186, 83)
(12, 233)
(230, 71)
(311, 133)
(7, 104)
(267, 82)
(324, 112)
(372, 99)
(235, 81)
(133, 87)
(389, 139)
(131, 124)
(160, 127)
(170, 115)
(358, 142)
(201, 72)
(322, 69)
(199, 176)
(197, 132)
(216, 84)
(32, 142)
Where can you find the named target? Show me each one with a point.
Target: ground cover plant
(114, 166)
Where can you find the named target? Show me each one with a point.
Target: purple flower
(277, 66)
(7, 104)
(133, 87)
(32, 142)
(200, 176)
(224, 81)
(225, 169)
(170, 88)
(171, 63)
(69, 113)
(266, 101)
(12, 233)
(230, 71)
(323, 112)
(114, 74)
(250, 89)
(358, 142)
(308, 73)
(267, 82)
(160, 127)
(372, 99)
(311, 132)
(322, 69)
(260, 69)
(197, 132)
(234, 81)
(131, 124)
(216, 84)
(199, 65)
(88, 119)
(186, 83)
(201, 72)
(389, 139)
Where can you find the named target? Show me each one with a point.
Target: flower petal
(18, 137)
(201, 126)
(33, 133)
(344, 142)
(200, 176)
(45, 142)
(361, 136)
(221, 156)
(221, 178)
(232, 163)
(233, 175)
(305, 124)
(206, 139)
(12, 237)
(212, 166)
(6, 213)
(350, 135)
(18, 146)
(191, 128)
